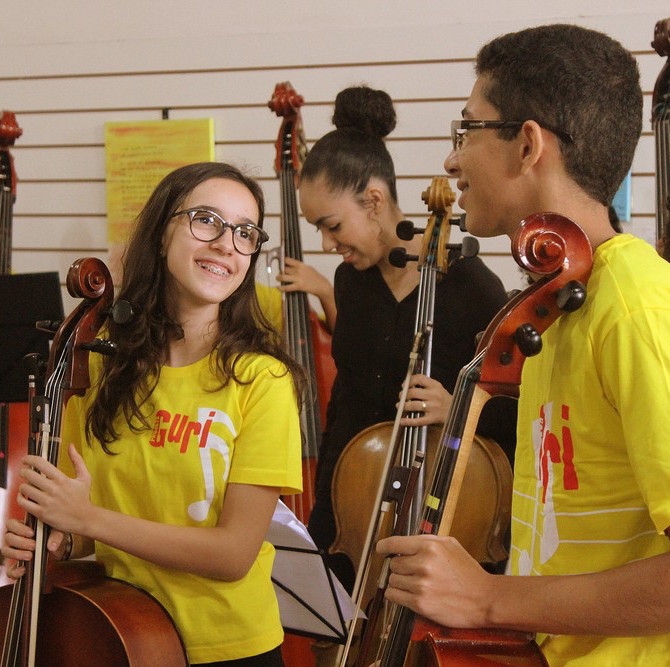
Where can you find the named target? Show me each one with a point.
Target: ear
(532, 145)
(375, 198)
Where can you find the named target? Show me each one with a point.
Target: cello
(305, 336)
(660, 120)
(380, 465)
(69, 613)
(554, 247)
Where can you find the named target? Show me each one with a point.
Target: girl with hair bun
(348, 192)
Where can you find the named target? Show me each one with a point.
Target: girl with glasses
(191, 433)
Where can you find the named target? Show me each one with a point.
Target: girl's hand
(428, 399)
(54, 498)
(300, 277)
(18, 546)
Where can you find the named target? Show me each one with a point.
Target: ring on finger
(423, 405)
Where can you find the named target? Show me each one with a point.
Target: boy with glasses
(551, 125)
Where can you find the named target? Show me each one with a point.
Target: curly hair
(575, 79)
(129, 376)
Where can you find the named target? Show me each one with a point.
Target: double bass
(556, 248)
(660, 120)
(13, 417)
(386, 464)
(69, 613)
(305, 336)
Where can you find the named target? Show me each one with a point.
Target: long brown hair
(130, 375)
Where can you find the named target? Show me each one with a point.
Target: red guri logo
(553, 450)
(179, 429)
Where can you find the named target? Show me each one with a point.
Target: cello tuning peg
(34, 364)
(100, 346)
(571, 296)
(122, 312)
(469, 246)
(406, 230)
(460, 221)
(528, 340)
(398, 257)
(47, 326)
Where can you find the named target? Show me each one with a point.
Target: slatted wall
(197, 65)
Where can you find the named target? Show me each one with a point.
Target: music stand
(25, 298)
(312, 602)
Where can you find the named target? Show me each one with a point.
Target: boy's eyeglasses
(460, 127)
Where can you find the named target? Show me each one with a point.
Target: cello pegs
(122, 312)
(571, 296)
(406, 230)
(469, 246)
(34, 364)
(460, 221)
(100, 346)
(398, 257)
(48, 326)
(528, 340)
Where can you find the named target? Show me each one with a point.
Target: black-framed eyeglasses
(208, 226)
(460, 127)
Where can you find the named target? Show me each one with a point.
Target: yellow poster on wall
(138, 155)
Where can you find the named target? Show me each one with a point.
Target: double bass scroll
(305, 336)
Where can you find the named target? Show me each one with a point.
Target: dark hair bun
(367, 110)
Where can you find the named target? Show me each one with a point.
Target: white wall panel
(67, 68)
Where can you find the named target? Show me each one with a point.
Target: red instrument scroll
(13, 417)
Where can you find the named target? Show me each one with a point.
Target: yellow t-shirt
(177, 473)
(592, 470)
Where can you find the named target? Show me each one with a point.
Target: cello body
(435, 646)
(89, 619)
(482, 515)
